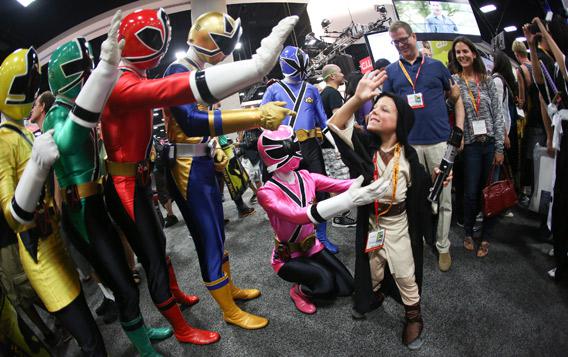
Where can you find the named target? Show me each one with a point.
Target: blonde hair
(519, 48)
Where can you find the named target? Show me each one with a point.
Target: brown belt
(303, 134)
(293, 247)
(83, 190)
(394, 210)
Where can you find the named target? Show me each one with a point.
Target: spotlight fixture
(510, 28)
(238, 46)
(25, 3)
(521, 39)
(488, 8)
(180, 54)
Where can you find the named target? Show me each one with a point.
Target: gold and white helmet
(214, 36)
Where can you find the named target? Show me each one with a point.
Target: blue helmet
(294, 63)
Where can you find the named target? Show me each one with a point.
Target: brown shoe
(483, 249)
(444, 261)
(413, 327)
(468, 244)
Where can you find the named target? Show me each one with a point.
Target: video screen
(380, 46)
(438, 20)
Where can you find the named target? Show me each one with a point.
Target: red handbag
(499, 195)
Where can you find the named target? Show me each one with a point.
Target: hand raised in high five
(368, 86)
(111, 49)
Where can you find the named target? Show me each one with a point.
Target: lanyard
(475, 102)
(394, 179)
(413, 84)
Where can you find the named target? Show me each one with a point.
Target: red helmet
(147, 35)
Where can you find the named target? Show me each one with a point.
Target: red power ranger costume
(127, 134)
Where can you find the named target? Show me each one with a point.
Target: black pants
(560, 207)
(85, 330)
(145, 236)
(321, 275)
(104, 251)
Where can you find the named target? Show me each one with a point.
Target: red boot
(181, 297)
(182, 330)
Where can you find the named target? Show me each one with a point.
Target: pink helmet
(278, 150)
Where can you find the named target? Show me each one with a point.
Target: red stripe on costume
(125, 186)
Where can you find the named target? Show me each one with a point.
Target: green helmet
(69, 67)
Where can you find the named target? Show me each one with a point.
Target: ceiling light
(238, 46)
(521, 39)
(510, 28)
(180, 54)
(488, 8)
(25, 3)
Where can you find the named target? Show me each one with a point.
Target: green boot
(159, 333)
(138, 335)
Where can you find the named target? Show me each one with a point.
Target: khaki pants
(406, 285)
(430, 156)
(13, 278)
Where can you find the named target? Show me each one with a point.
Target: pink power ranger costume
(289, 200)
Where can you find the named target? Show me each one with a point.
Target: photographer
(553, 90)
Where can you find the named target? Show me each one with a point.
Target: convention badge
(375, 240)
(415, 100)
(479, 127)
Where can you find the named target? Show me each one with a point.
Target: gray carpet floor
(500, 305)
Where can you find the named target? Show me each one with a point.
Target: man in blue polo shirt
(425, 83)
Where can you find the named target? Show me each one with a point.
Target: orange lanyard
(413, 84)
(394, 179)
(475, 102)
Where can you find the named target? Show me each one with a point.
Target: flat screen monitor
(438, 20)
(380, 46)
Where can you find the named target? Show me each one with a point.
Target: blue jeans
(478, 159)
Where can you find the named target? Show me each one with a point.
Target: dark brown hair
(478, 66)
(46, 98)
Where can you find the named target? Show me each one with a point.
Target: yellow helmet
(19, 83)
(214, 36)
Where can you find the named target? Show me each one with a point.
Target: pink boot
(301, 300)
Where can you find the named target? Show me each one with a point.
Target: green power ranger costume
(84, 216)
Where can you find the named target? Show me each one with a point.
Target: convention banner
(366, 65)
(235, 176)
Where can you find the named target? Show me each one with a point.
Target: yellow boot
(233, 314)
(238, 294)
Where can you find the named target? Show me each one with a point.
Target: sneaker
(170, 221)
(343, 222)
(253, 199)
(552, 273)
(525, 201)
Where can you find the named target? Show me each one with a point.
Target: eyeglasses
(402, 41)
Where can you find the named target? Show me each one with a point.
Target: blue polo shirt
(431, 125)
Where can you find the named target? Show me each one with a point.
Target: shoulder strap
(287, 191)
(297, 100)
(17, 130)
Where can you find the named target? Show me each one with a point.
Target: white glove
(44, 151)
(28, 191)
(226, 79)
(111, 49)
(353, 197)
(94, 94)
